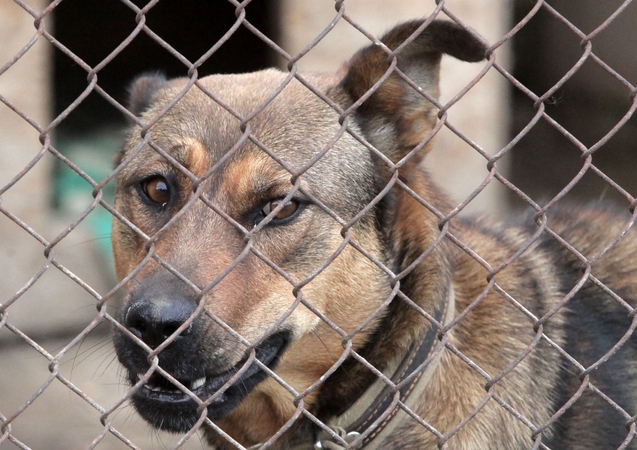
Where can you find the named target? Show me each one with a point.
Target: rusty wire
(107, 412)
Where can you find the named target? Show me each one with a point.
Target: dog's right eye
(156, 189)
(285, 214)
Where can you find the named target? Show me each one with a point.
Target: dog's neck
(376, 414)
(425, 286)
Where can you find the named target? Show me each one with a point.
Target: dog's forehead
(284, 115)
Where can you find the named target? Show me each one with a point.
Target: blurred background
(52, 121)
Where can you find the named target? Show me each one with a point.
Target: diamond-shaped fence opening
(543, 121)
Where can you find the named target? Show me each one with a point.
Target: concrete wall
(54, 309)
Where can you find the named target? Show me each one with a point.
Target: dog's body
(299, 270)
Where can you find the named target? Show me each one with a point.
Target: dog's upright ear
(396, 117)
(142, 91)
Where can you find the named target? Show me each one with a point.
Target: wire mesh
(302, 400)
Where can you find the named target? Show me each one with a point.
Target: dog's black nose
(154, 320)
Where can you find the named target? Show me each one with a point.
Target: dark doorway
(92, 29)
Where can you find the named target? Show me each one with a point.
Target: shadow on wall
(588, 105)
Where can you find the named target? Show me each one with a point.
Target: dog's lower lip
(191, 385)
(165, 391)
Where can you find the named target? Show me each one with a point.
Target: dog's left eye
(286, 212)
(156, 189)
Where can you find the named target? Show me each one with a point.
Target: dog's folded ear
(396, 117)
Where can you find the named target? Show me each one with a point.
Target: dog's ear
(142, 90)
(396, 117)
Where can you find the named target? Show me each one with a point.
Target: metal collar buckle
(326, 443)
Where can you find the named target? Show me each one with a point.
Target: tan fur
(196, 157)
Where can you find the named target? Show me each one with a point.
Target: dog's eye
(157, 190)
(286, 212)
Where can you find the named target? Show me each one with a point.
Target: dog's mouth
(159, 388)
(166, 406)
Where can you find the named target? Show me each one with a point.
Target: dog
(295, 280)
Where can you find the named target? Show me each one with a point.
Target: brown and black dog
(290, 264)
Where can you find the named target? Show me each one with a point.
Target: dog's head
(250, 225)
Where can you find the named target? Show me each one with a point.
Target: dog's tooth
(197, 383)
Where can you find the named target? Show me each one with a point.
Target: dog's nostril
(187, 331)
(138, 328)
(170, 328)
(135, 323)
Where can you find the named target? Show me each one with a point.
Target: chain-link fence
(270, 340)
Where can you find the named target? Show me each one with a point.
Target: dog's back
(549, 331)
(598, 285)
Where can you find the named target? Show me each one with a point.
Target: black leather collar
(412, 374)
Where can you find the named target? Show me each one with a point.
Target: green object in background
(94, 155)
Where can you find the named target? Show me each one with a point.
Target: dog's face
(202, 244)
(252, 231)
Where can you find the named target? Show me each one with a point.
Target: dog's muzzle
(188, 360)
